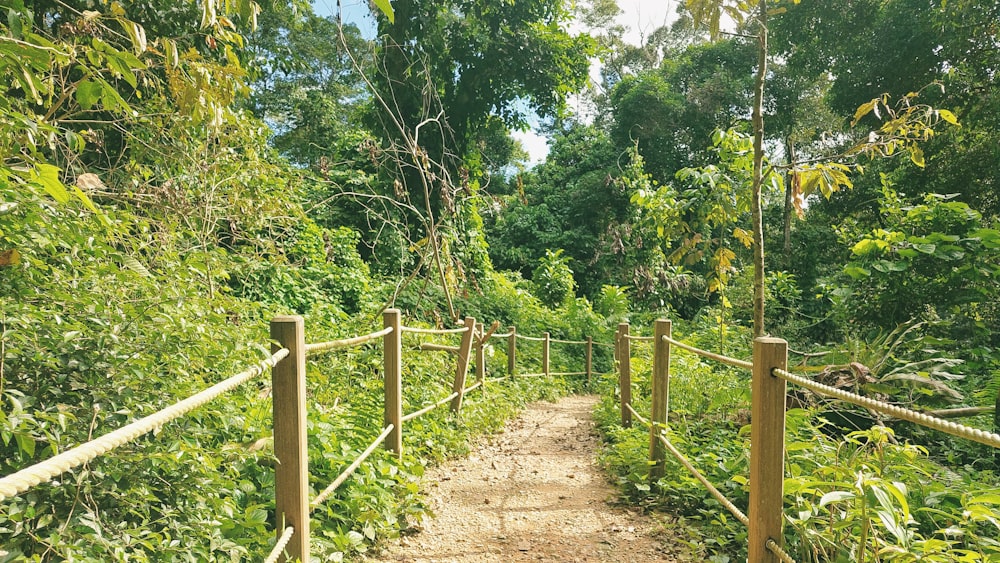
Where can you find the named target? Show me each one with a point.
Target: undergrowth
(865, 495)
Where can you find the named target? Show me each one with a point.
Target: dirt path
(533, 493)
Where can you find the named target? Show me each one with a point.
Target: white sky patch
(536, 145)
(642, 17)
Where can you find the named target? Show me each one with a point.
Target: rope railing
(566, 373)
(416, 330)
(280, 545)
(558, 341)
(473, 387)
(16, 483)
(948, 427)
(530, 338)
(346, 342)
(430, 346)
(638, 338)
(344, 475)
(429, 408)
(711, 355)
(728, 504)
(638, 416)
(502, 335)
(776, 549)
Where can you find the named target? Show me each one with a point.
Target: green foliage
(936, 255)
(553, 279)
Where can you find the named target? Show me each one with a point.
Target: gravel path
(533, 493)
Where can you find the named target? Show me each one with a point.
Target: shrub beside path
(533, 493)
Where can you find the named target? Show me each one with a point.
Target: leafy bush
(553, 279)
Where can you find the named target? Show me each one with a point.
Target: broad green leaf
(90, 205)
(835, 496)
(856, 272)
(949, 117)
(385, 7)
(47, 176)
(88, 93)
(916, 154)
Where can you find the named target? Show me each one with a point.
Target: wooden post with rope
(392, 352)
(545, 353)
(291, 475)
(462, 370)
(511, 351)
(624, 372)
(661, 399)
(767, 447)
(481, 358)
(589, 359)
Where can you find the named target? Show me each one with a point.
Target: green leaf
(835, 496)
(386, 8)
(949, 117)
(47, 176)
(857, 272)
(916, 154)
(88, 93)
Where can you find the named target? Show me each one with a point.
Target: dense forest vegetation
(175, 173)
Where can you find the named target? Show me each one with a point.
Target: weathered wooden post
(625, 373)
(481, 359)
(291, 475)
(661, 399)
(511, 351)
(463, 363)
(767, 447)
(545, 353)
(392, 352)
(589, 359)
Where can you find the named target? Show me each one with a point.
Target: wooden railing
(767, 428)
(288, 383)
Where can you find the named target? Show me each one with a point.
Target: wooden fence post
(767, 447)
(661, 399)
(625, 373)
(392, 352)
(511, 351)
(481, 359)
(463, 363)
(545, 353)
(589, 359)
(291, 475)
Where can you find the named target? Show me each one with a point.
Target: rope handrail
(533, 374)
(639, 338)
(16, 483)
(532, 338)
(948, 427)
(472, 387)
(431, 347)
(429, 408)
(346, 342)
(279, 546)
(558, 341)
(415, 330)
(502, 334)
(704, 481)
(344, 475)
(711, 355)
(566, 373)
(776, 549)
(638, 416)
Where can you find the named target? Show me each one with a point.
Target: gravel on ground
(534, 493)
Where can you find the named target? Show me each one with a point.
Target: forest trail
(534, 493)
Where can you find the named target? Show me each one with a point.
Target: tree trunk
(789, 185)
(758, 165)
